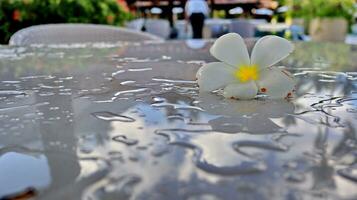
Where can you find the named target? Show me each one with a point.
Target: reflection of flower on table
(244, 116)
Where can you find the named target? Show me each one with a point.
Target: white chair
(236, 11)
(177, 10)
(155, 11)
(76, 33)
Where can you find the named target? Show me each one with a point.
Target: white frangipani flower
(242, 76)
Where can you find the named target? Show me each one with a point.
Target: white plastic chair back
(76, 33)
(236, 11)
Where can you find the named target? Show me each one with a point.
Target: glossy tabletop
(127, 121)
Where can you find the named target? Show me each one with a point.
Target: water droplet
(50, 86)
(87, 143)
(109, 116)
(291, 165)
(275, 146)
(11, 93)
(349, 173)
(173, 81)
(11, 82)
(127, 82)
(351, 110)
(182, 138)
(44, 94)
(125, 140)
(245, 167)
(294, 176)
(114, 188)
(177, 106)
(160, 150)
(140, 69)
(54, 108)
(118, 72)
(66, 78)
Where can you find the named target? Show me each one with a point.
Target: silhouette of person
(195, 12)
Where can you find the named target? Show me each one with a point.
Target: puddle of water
(128, 121)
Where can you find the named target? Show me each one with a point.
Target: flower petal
(241, 90)
(231, 49)
(214, 75)
(269, 50)
(276, 82)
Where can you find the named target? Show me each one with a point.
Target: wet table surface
(127, 121)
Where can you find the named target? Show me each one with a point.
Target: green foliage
(18, 14)
(309, 9)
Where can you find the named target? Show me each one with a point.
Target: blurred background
(318, 20)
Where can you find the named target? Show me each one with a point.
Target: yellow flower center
(246, 73)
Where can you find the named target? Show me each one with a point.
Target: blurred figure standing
(195, 12)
